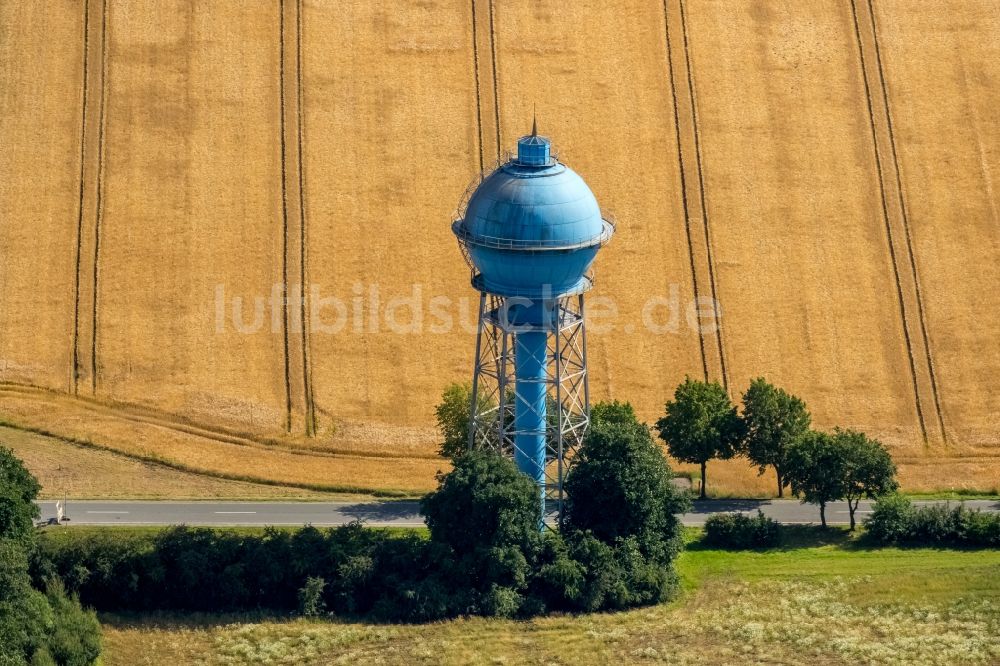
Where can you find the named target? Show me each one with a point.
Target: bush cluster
(352, 570)
(197, 569)
(895, 520)
(738, 531)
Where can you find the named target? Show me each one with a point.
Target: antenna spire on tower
(534, 121)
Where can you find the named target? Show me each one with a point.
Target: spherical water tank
(532, 228)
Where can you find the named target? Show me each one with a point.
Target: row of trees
(774, 430)
(701, 423)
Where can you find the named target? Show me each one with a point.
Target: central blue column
(531, 374)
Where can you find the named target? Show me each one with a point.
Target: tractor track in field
(704, 206)
(496, 85)
(99, 214)
(887, 222)
(479, 96)
(74, 377)
(87, 251)
(683, 177)
(166, 463)
(284, 213)
(307, 376)
(690, 158)
(905, 217)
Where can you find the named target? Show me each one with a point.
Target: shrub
(201, 569)
(978, 528)
(935, 524)
(890, 520)
(602, 576)
(26, 617)
(485, 554)
(499, 601)
(486, 514)
(895, 520)
(311, 602)
(737, 531)
(420, 599)
(560, 579)
(620, 527)
(75, 639)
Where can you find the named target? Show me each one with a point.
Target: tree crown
(620, 487)
(700, 423)
(483, 502)
(773, 420)
(870, 471)
(453, 415)
(18, 490)
(612, 412)
(817, 468)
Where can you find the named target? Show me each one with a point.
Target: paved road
(391, 513)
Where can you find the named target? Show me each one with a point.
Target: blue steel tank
(531, 230)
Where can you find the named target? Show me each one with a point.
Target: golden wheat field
(225, 240)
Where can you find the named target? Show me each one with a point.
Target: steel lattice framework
(495, 391)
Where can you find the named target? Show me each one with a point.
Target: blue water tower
(530, 231)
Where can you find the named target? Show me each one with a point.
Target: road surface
(392, 513)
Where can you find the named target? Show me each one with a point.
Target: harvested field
(173, 176)
(227, 457)
(75, 472)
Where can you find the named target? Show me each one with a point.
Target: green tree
(700, 424)
(620, 487)
(483, 501)
(773, 419)
(311, 603)
(612, 412)
(817, 469)
(870, 471)
(25, 616)
(453, 419)
(18, 490)
(75, 638)
(487, 514)
(34, 627)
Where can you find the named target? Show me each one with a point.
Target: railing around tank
(499, 243)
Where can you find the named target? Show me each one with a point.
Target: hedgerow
(895, 520)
